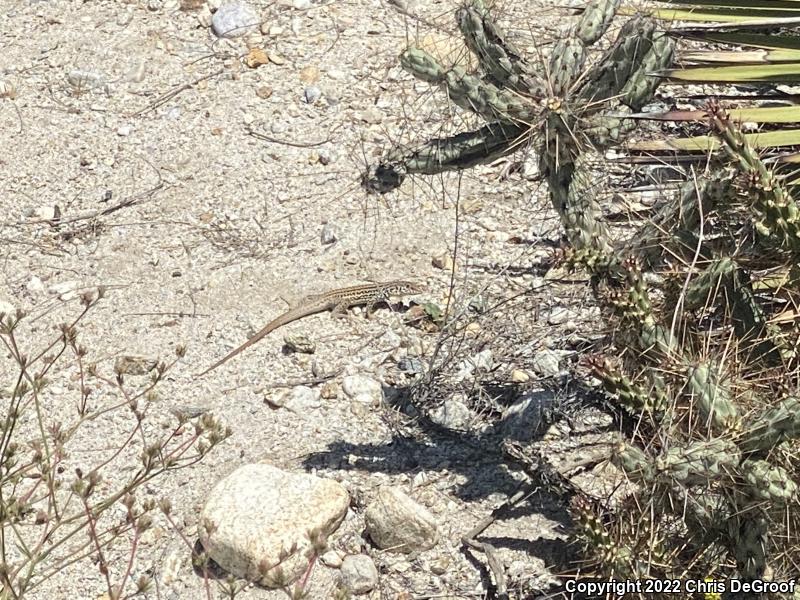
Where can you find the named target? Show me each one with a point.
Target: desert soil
(129, 162)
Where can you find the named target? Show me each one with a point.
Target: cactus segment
(610, 76)
(595, 20)
(713, 399)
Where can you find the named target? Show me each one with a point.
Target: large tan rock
(256, 522)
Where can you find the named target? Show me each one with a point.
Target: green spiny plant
(690, 292)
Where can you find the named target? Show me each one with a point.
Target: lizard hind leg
(340, 310)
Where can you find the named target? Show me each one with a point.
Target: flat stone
(396, 523)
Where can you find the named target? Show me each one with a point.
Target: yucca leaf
(733, 57)
(766, 114)
(768, 41)
(773, 73)
(705, 143)
(740, 4)
(724, 15)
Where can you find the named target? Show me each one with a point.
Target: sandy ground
(132, 123)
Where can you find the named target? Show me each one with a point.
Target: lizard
(337, 301)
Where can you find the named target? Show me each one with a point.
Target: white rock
(66, 290)
(363, 389)
(35, 285)
(545, 363)
(234, 19)
(359, 574)
(331, 559)
(85, 80)
(258, 514)
(328, 234)
(136, 72)
(302, 399)
(398, 524)
(453, 414)
(482, 361)
(335, 74)
(311, 94)
(45, 213)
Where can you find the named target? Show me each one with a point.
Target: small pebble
(264, 92)
(65, 290)
(279, 127)
(519, 376)
(136, 72)
(47, 213)
(124, 17)
(301, 4)
(299, 343)
(255, 58)
(443, 261)
(546, 363)
(302, 400)
(332, 559)
(35, 285)
(6, 308)
(7, 90)
(234, 19)
(311, 94)
(84, 80)
(309, 74)
(328, 235)
(329, 391)
(335, 74)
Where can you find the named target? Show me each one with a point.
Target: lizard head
(409, 287)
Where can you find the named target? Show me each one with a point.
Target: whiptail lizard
(336, 301)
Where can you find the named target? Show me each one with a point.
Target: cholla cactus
(704, 352)
(713, 398)
(776, 426)
(776, 213)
